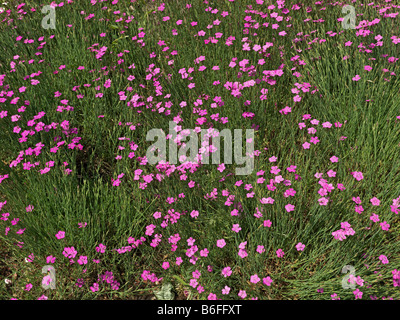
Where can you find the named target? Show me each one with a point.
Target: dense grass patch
(77, 191)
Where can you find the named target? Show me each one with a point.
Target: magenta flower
(385, 226)
(226, 290)
(374, 217)
(236, 228)
(331, 173)
(242, 294)
(357, 175)
(221, 243)
(367, 68)
(280, 253)
(335, 296)
(323, 201)
(358, 294)
(267, 223)
(101, 248)
(375, 201)
(334, 159)
(82, 260)
(60, 234)
(95, 287)
(50, 259)
(383, 259)
(254, 278)
(212, 296)
(289, 207)
(46, 280)
(226, 272)
(300, 246)
(260, 249)
(242, 253)
(193, 283)
(70, 252)
(267, 281)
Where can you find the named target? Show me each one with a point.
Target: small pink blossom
(280, 253)
(375, 201)
(60, 235)
(267, 281)
(221, 243)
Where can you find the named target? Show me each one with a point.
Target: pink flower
(356, 78)
(221, 243)
(95, 287)
(267, 281)
(357, 200)
(193, 283)
(236, 228)
(375, 201)
(165, 266)
(334, 159)
(357, 294)
(300, 246)
(254, 278)
(260, 249)
(242, 253)
(70, 252)
(82, 260)
(374, 217)
(212, 296)
(226, 290)
(331, 173)
(194, 214)
(60, 234)
(383, 259)
(385, 226)
(226, 272)
(289, 207)
(101, 248)
(267, 223)
(323, 201)
(107, 84)
(280, 253)
(357, 175)
(242, 294)
(335, 296)
(268, 200)
(46, 280)
(50, 259)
